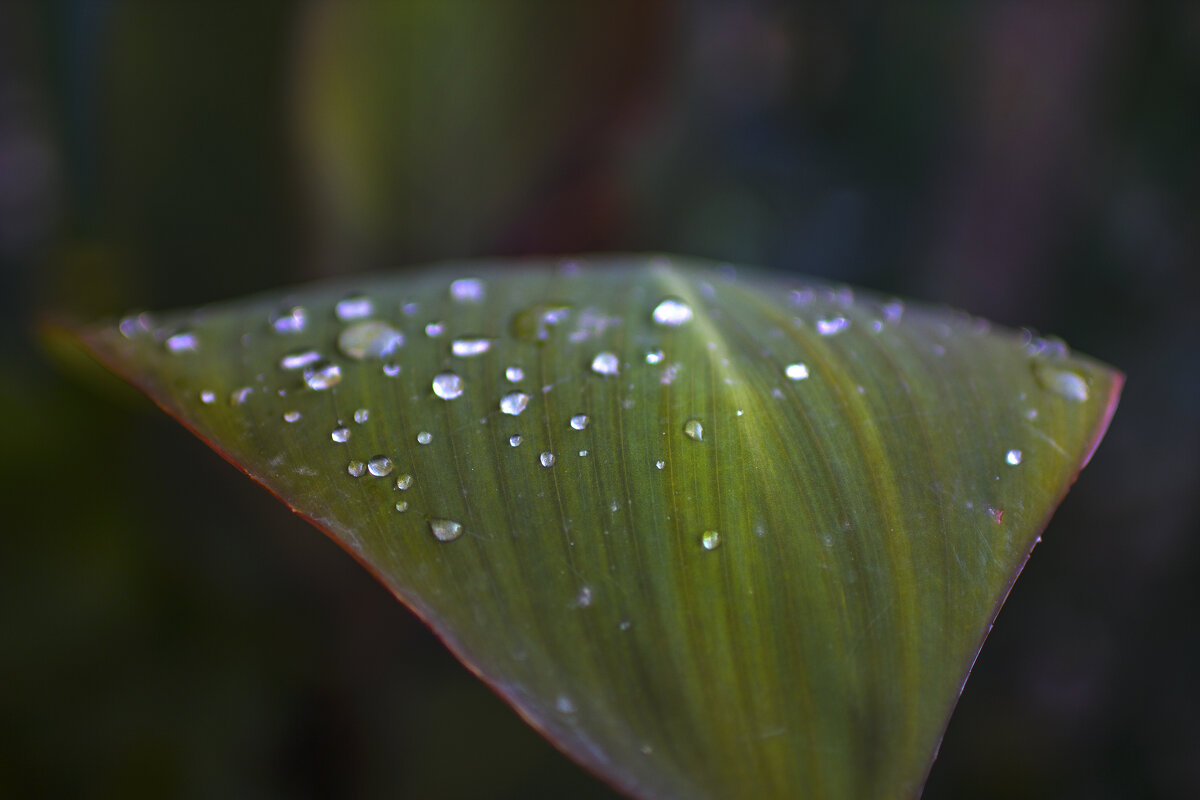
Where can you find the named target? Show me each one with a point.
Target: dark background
(168, 629)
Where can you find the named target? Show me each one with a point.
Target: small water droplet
(435, 329)
(369, 339)
(1013, 457)
(514, 374)
(892, 311)
(605, 364)
(694, 429)
(340, 435)
(299, 360)
(466, 348)
(580, 421)
(391, 370)
(1062, 382)
(402, 506)
(424, 437)
(292, 320)
(583, 453)
(208, 397)
(291, 416)
(322, 375)
(238, 396)
(467, 290)
(445, 530)
(796, 372)
(448, 386)
(711, 540)
(183, 342)
(830, 327)
(351, 308)
(547, 459)
(409, 308)
(584, 598)
(533, 324)
(380, 466)
(403, 482)
(654, 356)
(672, 312)
(514, 440)
(514, 403)
(362, 415)
(356, 469)
(659, 464)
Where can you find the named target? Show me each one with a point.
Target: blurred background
(168, 629)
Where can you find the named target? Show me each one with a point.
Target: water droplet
(291, 416)
(533, 324)
(445, 530)
(238, 396)
(672, 312)
(893, 310)
(424, 437)
(134, 325)
(796, 372)
(184, 342)
(391, 370)
(583, 453)
(447, 386)
(514, 374)
(654, 356)
(584, 598)
(356, 469)
(208, 397)
(369, 339)
(467, 290)
(322, 375)
(830, 327)
(435, 329)
(362, 415)
(352, 308)
(694, 429)
(514, 403)
(1013, 457)
(340, 435)
(380, 466)
(580, 421)
(1062, 382)
(514, 440)
(605, 363)
(402, 506)
(292, 320)
(547, 459)
(711, 540)
(300, 359)
(466, 348)
(403, 482)
(659, 464)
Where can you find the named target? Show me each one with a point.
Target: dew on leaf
(584, 598)
(291, 416)
(445, 530)
(832, 326)
(659, 464)
(514, 403)
(356, 469)
(467, 290)
(466, 348)
(208, 397)
(1013, 457)
(547, 458)
(380, 466)
(710, 540)
(514, 374)
(292, 320)
(796, 372)
(362, 415)
(391, 370)
(424, 437)
(299, 360)
(340, 435)
(605, 363)
(447, 386)
(694, 429)
(435, 329)
(183, 342)
(352, 308)
(533, 324)
(654, 356)
(672, 312)
(369, 339)
(238, 396)
(1062, 382)
(580, 421)
(402, 506)
(514, 440)
(404, 481)
(322, 375)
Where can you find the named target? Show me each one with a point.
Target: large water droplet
(796, 372)
(445, 530)
(466, 348)
(380, 466)
(424, 437)
(351, 308)
(710, 540)
(1013, 457)
(580, 421)
(672, 312)
(514, 374)
(299, 360)
(403, 482)
(830, 327)
(547, 459)
(356, 469)
(369, 339)
(467, 290)
(694, 429)
(340, 435)
(605, 363)
(292, 320)
(514, 403)
(1062, 382)
(322, 375)
(183, 342)
(447, 386)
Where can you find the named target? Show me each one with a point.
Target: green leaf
(713, 534)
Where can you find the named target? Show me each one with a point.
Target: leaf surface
(714, 534)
